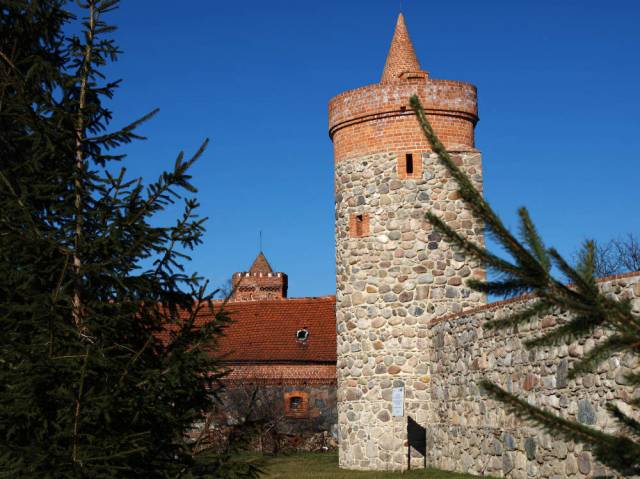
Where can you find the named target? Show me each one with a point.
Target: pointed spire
(402, 57)
(260, 265)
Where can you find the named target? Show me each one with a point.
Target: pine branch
(532, 238)
(506, 288)
(631, 425)
(475, 250)
(587, 261)
(613, 344)
(585, 286)
(572, 330)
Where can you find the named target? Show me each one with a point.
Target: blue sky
(558, 104)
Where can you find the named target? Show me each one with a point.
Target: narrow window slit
(409, 163)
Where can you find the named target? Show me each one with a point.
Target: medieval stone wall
(469, 432)
(390, 282)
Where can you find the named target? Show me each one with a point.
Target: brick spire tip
(402, 57)
(261, 265)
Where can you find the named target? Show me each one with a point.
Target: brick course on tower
(394, 279)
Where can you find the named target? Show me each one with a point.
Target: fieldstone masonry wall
(469, 432)
(389, 285)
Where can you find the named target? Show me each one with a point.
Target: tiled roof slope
(265, 331)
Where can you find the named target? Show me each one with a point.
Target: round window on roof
(302, 334)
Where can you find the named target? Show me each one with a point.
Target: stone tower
(259, 283)
(394, 273)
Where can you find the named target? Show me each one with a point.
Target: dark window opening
(302, 334)
(359, 222)
(295, 403)
(409, 163)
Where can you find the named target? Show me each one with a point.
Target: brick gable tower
(259, 283)
(393, 272)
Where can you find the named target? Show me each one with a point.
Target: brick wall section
(259, 286)
(281, 374)
(359, 225)
(447, 96)
(377, 118)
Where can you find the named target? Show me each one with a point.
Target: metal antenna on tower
(260, 240)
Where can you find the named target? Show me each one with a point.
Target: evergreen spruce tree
(103, 368)
(528, 269)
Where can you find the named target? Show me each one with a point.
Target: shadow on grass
(325, 466)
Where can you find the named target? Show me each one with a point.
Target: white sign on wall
(397, 401)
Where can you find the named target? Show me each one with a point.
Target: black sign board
(417, 439)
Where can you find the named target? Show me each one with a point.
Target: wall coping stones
(518, 299)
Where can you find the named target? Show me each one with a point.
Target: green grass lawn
(325, 466)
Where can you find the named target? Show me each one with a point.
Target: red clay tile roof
(265, 331)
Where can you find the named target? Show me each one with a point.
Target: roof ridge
(276, 300)
(298, 299)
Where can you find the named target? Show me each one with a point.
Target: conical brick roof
(260, 265)
(402, 57)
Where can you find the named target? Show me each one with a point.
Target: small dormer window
(302, 334)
